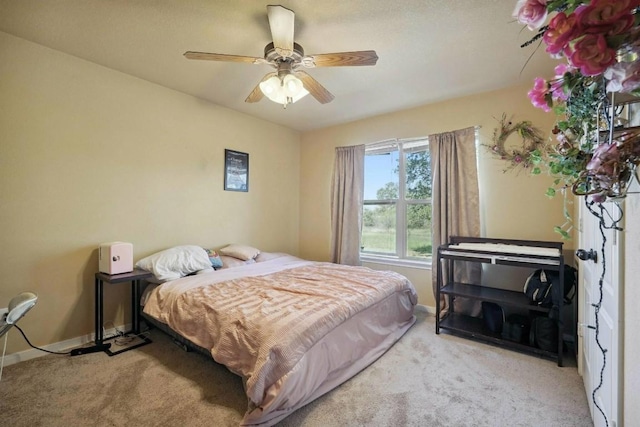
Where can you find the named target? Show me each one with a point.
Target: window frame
(400, 258)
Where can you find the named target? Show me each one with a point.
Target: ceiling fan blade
(362, 57)
(281, 21)
(315, 89)
(256, 94)
(223, 57)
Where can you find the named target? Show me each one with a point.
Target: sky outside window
(379, 170)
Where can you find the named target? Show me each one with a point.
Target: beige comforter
(260, 326)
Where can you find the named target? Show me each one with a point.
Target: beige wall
(90, 155)
(513, 205)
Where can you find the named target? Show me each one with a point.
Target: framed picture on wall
(236, 171)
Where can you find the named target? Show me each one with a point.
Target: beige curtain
(347, 195)
(455, 201)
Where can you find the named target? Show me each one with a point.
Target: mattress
(292, 329)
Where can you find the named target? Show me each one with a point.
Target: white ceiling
(429, 50)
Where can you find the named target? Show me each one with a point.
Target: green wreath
(532, 140)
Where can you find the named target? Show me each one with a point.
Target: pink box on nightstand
(115, 257)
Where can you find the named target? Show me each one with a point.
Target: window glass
(381, 176)
(379, 229)
(419, 231)
(397, 200)
(418, 174)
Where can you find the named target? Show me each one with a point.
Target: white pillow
(175, 262)
(242, 252)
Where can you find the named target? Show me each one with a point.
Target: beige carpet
(424, 380)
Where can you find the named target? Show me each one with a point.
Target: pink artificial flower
(562, 69)
(602, 12)
(556, 85)
(562, 29)
(592, 55)
(621, 26)
(609, 17)
(614, 76)
(532, 13)
(623, 76)
(604, 159)
(599, 197)
(539, 95)
(557, 90)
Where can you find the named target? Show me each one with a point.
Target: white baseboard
(61, 346)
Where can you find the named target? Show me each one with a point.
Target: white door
(600, 370)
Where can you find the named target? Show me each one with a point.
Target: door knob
(587, 255)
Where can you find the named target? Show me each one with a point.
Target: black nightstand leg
(135, 315)
(99, 313)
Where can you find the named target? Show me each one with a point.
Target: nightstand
(134, 277)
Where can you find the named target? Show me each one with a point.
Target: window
(397, 201)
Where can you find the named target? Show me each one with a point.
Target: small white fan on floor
(18, 307)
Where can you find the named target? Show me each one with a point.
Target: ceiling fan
(288, 83)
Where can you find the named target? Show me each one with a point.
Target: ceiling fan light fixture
(270, 86)
(285, 91)
(292, 85)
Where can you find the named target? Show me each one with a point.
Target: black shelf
(499, 296)
(473, 327)
(506, 252)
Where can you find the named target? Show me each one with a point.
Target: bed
(292, 329)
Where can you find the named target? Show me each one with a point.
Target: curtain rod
(394, 140)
